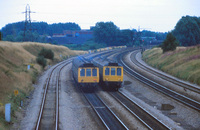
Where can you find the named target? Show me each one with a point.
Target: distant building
(71, 37)
(151, 40)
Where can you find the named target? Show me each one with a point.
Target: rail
(38, 123)
(181, 98)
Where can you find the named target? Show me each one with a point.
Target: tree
(125, 37)
(187, 30)
(170, 43)
(106, 33)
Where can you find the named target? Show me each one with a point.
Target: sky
(153, 15)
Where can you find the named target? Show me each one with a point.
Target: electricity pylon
(27, 27)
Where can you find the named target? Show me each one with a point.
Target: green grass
(183, 63)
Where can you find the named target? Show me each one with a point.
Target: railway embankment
(183, 63)
(19, 71)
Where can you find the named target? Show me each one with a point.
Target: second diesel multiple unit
(111, 75)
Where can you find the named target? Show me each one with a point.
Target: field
(14, 58)
(183, 63)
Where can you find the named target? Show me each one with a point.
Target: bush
(170, 43)
(42, 61)
(46, 53)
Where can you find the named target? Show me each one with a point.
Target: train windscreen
(107, 71)
(94, 72)
(82, 72)
(119, 71)
(112, 71)
(88, 72)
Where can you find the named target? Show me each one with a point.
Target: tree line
(36, 32)
(186, 32)
(104, 32)
(109, 34)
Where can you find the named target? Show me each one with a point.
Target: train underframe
(112, 85)
(88, 87)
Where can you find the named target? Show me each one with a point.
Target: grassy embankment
(14, 58)
(183, 63)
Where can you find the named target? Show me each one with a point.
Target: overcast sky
(154, 15)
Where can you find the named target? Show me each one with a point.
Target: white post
(28, 67)
(8, 112)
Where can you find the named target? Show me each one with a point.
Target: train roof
(87, 65)
(113, 64)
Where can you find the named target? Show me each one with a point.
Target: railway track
(49, 111)
(140, 113)
(109, 119)
(181, 98)
(163, 76)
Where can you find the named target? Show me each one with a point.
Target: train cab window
(82, 72)
(88, 72)
(119, 72)
(112, 71)
(94, 72)
(107, 71)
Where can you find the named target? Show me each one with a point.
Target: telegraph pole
(27, 24)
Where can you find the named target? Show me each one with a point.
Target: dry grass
(14, 58)
(183, 63)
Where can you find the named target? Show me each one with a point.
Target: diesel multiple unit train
(88, 74)
(111, 75)
(85, 74)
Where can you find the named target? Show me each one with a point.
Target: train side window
(82, 72)
(107, 71)
(119, 72)
(112, 71)
(88, 72)
(94, 72)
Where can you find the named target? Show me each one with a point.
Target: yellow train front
(85, 74)
(112, 75)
